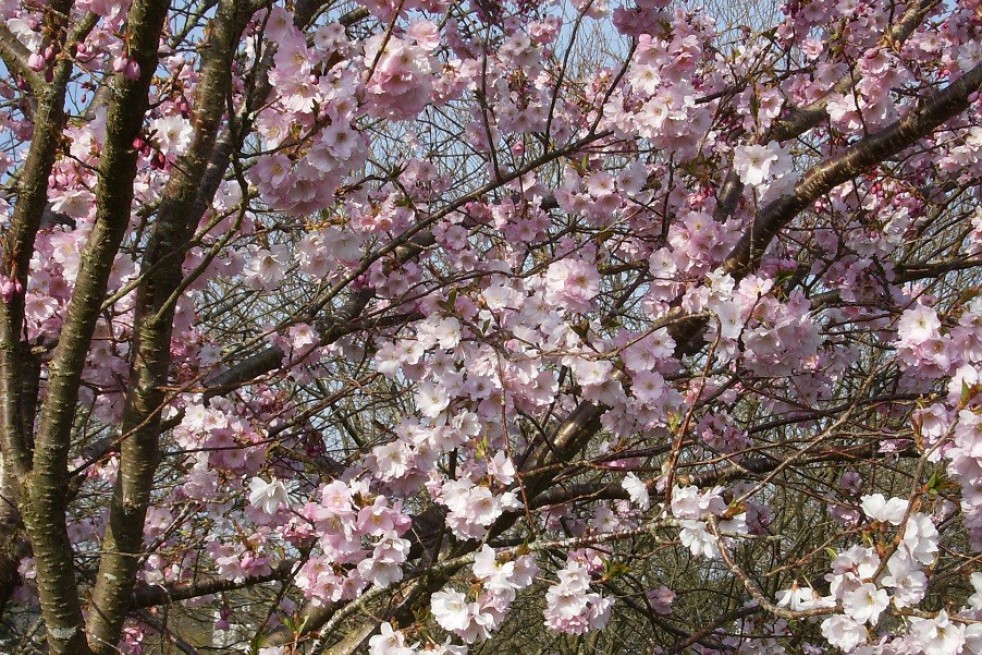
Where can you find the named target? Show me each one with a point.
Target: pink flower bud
(132, 72)
(9, 288)
(119, 64)
(36, 62)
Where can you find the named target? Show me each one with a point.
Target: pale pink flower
(865, 603)
(878, 508)
(918, 324)
(173, 134)
(921, 538)
(637, 490)
(844, 632)
(661, 600)
(937, 636)
(753, 163)
(909, 584)
(389, 642)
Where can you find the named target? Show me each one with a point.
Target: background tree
(414, 326)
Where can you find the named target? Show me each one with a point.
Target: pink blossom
(865, 603)
(661, 600)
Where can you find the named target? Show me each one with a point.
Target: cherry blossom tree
(436, 326)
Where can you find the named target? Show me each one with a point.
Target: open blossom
(975, 600)
(487, 568)
(856, 561)
(918, 324)
(75, 203)
(799, 597)
(647, 386)
(907, 582)
(573, 283)
(268, 496)
(389, 642)
(570, 605)
(384, 567)
(937, 636)
(482, 506)
(921, 538)
(756, 163)
(265, 268)
(504, 577)
(637, 490)
(173, 134)
(402, 79)
(688, 503)
(437, 330)
(843, 632)
(865, 603)
(695, 536)
(431, 399)
(851, 482)
(879, 508)
(450, 610)
(661, 600)
(393, 460)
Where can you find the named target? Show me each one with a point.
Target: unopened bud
(36, 62)
(132, 72)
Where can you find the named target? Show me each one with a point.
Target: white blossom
(450, 610)
(879, 508)
(937, 636)
(268, 496)
(637, 490)
(843, 632)
(865, 603)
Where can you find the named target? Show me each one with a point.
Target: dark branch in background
(822, 178)
(330, 329)
(151, 596)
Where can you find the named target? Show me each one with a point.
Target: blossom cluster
(490, 599)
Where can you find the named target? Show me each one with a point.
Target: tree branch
(162, 265)
(44, 506)
(870, 151)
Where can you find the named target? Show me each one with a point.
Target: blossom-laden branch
(870, 151)
(368, 328)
